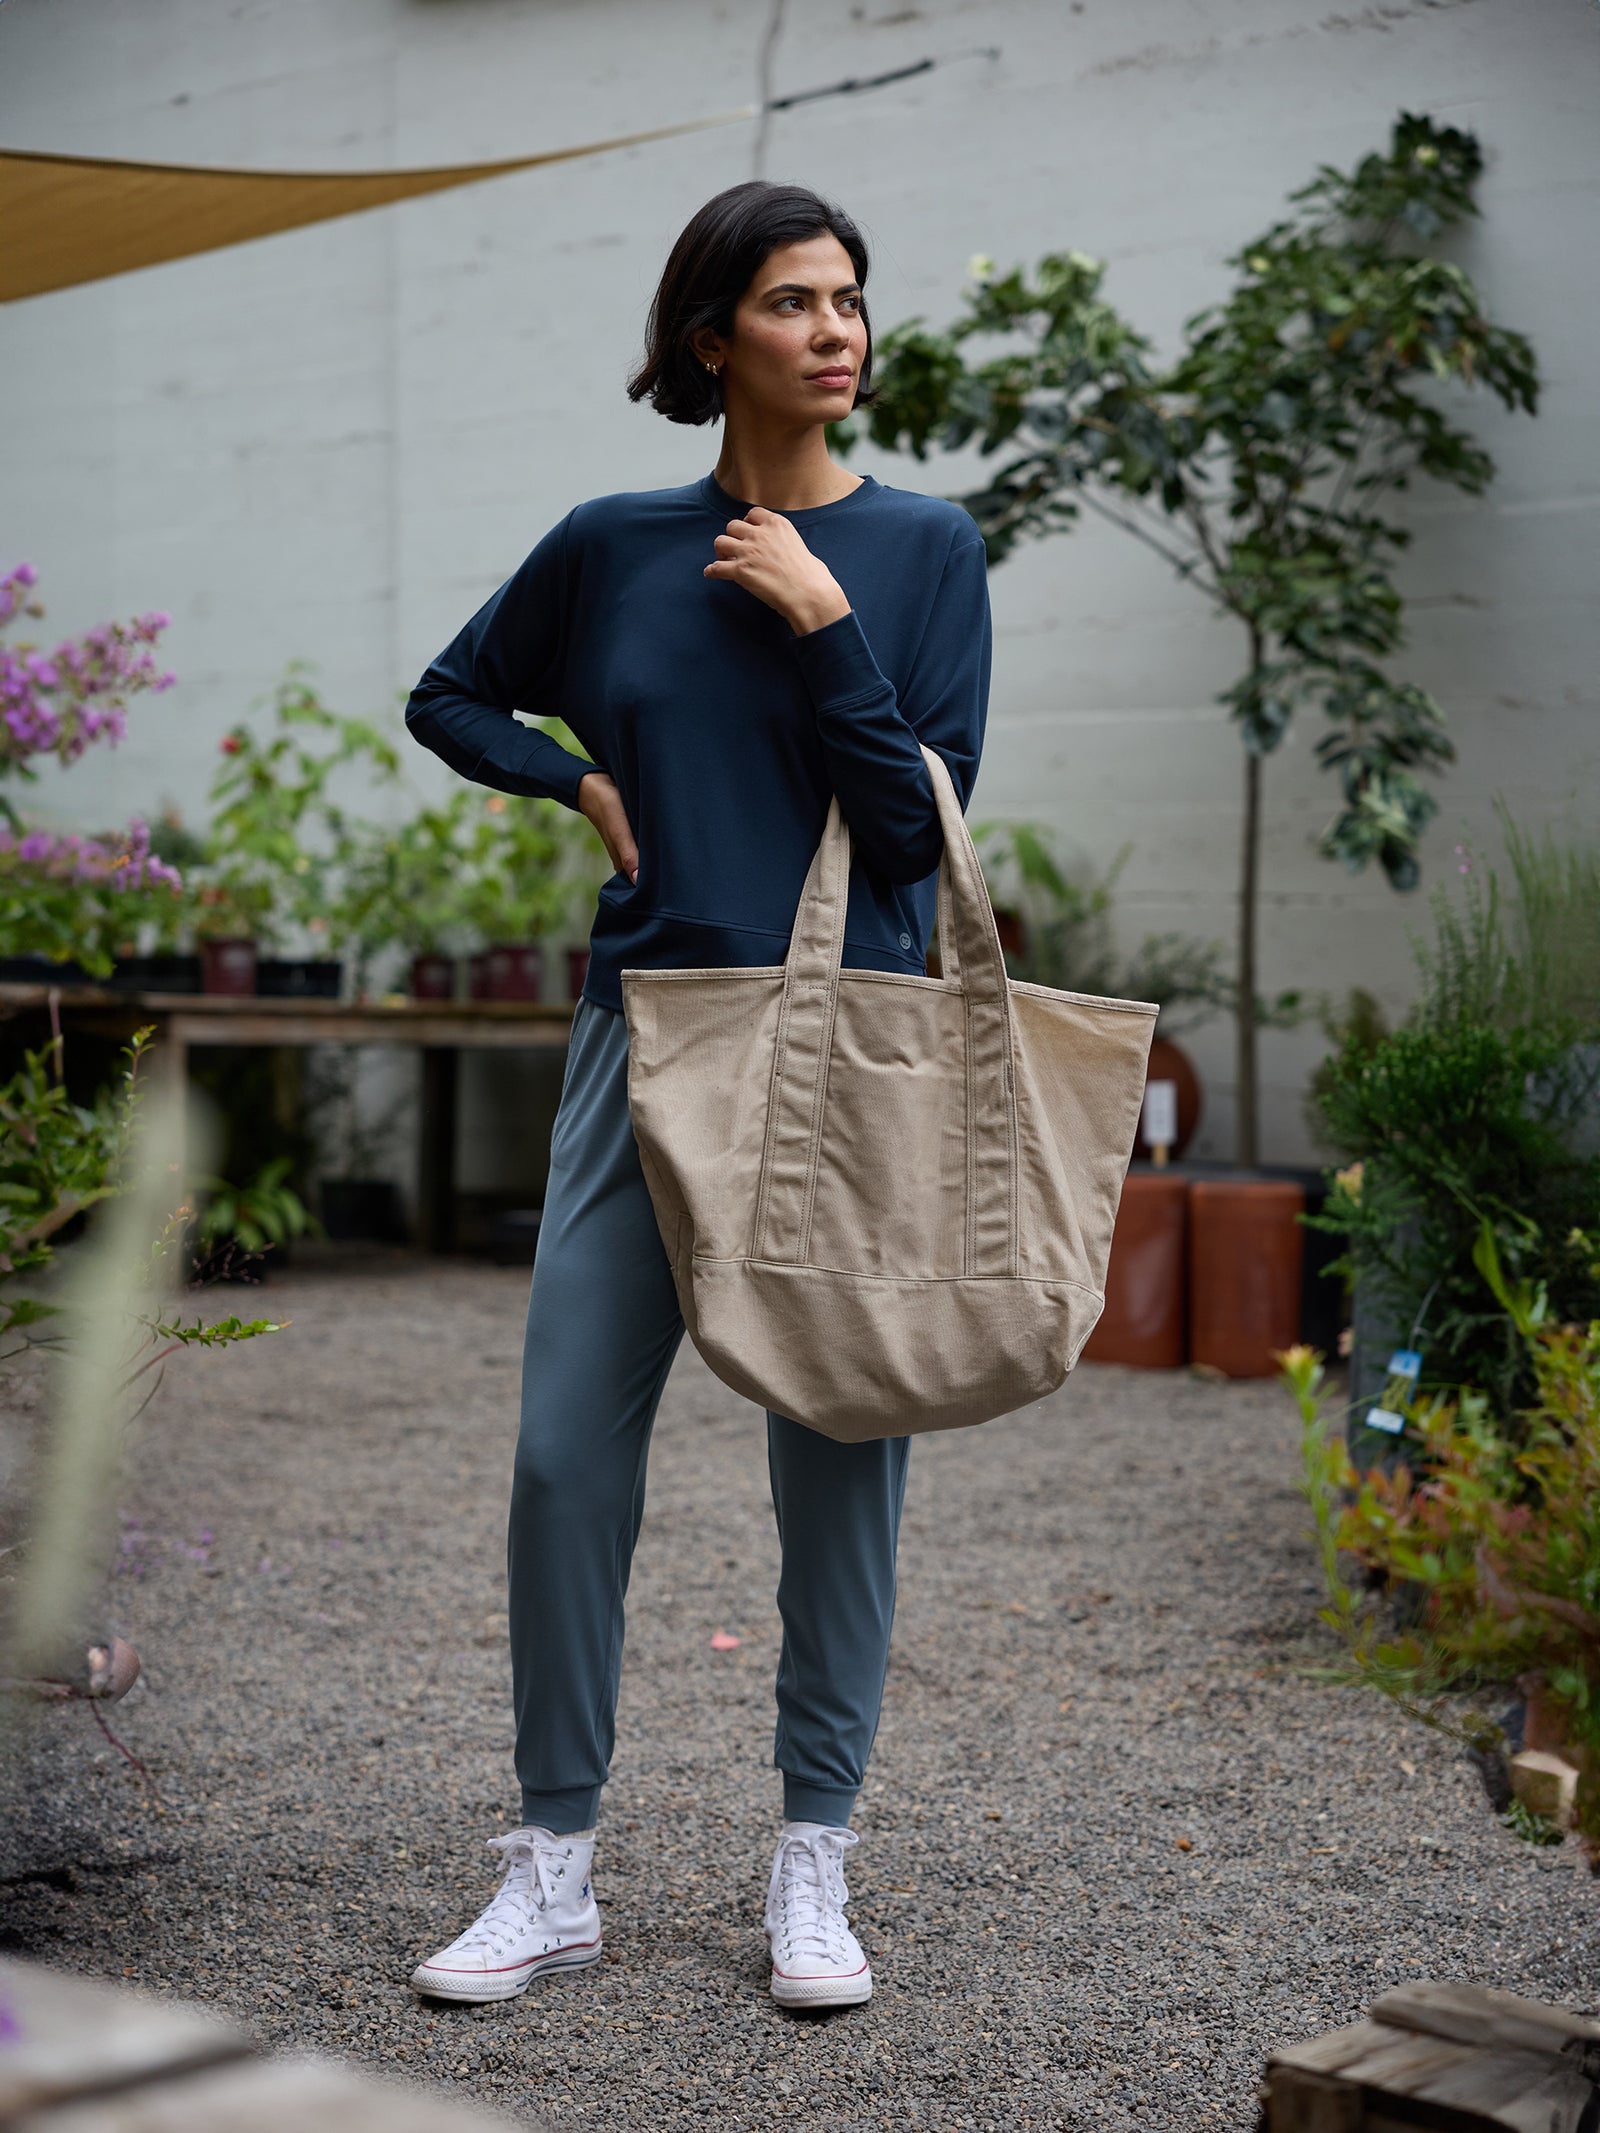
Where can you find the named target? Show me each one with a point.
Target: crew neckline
(716, 498)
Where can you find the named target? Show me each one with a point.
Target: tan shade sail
(71, 219)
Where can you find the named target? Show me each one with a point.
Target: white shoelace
(518, 1897)
(807, 1894)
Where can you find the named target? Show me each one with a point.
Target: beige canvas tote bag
(887, 1199)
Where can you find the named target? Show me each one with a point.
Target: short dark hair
(714, 261)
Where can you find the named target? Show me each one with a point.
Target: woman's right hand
(600, 801)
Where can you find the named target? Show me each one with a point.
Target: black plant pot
(362, 1210)
(156, 973)
(41, 970)
(303, 979)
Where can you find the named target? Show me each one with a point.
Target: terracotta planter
(1143, 1321)
(1246, 1249)
(1169, 1062)
(228, 966)
(1547, 1722)
(577, 971)
(433, 977)
(516, 971)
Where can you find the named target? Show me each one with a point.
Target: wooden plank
(141, 1006)
(354, 1025)
(1333, 2051)
(1300, 2100)
(1481, 2014)
(1406, 2073)
(1521, 2092)
(268, 2096)
(64, 2036)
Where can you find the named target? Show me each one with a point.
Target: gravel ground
(1115, 1843)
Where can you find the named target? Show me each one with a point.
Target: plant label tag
(1158, 1124)
(1406, 1363)
(1385, 1418)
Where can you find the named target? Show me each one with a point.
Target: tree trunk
(1245, 1137)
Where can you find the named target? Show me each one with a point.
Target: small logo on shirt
(905, 940)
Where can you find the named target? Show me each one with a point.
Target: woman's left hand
(764, 553)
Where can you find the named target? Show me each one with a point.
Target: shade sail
(73, 219)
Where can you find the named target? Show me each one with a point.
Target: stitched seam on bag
(1008, 1067)
(848, 973)
(774, 1088)
(1084, 999)
(904, 1281)
(819, 1094)
(819, 1106)
(969, 1246)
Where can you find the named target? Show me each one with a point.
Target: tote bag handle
(970, 953)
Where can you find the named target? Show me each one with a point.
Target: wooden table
(440, 1029)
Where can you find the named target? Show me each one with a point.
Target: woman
(730, 653)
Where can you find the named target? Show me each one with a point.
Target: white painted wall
(336, 442)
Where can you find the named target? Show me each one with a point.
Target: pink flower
(59, 702)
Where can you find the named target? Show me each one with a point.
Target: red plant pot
(1245, 1251)
(516, 972)
(577, 971)
(1142, 1323)
(228, 966)
(433, 977)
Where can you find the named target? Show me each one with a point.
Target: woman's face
(799, 338)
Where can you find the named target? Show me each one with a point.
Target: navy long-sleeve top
(724, 731)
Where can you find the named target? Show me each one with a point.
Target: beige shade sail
(73, 219)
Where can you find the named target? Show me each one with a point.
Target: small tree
(1255, 465)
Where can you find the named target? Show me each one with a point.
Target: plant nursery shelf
(440, 1029)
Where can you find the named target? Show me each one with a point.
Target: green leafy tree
(1256, 465)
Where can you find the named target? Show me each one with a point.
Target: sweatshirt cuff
(837, 665)
(543, 757)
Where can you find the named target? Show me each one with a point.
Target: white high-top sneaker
(816, 1959)
(542, 1917)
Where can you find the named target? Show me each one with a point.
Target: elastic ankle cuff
(817, 1803)
(564, 1814)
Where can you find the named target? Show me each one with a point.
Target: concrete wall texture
(334, 443)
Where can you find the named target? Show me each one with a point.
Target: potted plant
(517, 891)
(67, 901)
(276, 827)
(239, 1224)
(1485, 1099)
(230, 914)
(406, 886)
(157, 957)
(584, 865)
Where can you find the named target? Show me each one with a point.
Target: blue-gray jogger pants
(603, 1328)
